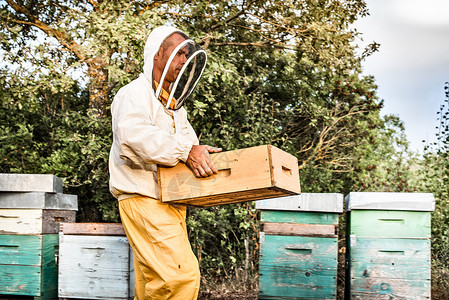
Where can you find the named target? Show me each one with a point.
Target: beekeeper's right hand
(200, 162)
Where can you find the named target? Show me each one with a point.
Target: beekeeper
(150, 127)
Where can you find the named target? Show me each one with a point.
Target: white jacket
(145, 133)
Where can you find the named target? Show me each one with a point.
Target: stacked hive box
(95, 262)
(31, 206)
(388, 245)
(299, 246)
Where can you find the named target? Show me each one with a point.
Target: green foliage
(433, 177)
(278, 73)
(225, 243)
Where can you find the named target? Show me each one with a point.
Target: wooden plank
(311, 202)
(110, 229)
(390, 258)
(20, 280)
(10, 182)
(299, 229)
(38, 200)
(244, 175)
(20, 249)
(379, 289)
(298, 217)
(20, 221)
(296, 267)
(85, 268)
(390, 268)
(390, 224)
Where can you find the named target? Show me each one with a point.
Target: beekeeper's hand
(199, 160)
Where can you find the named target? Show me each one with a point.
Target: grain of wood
(110, 229)
(295, 229)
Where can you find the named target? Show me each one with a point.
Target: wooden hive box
(388, 245)
(244, 175)
(95, 262)
(27, 265)
(299, 246)
(35, 212)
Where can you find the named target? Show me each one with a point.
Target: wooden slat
(20, 221)
(390, 224)
(274, 216)
(244, 175)
(20, 280)
(113, 229)
(300, 229)
(20, 249)
(381, 289)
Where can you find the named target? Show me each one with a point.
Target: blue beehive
(388, 245)
(299, 246)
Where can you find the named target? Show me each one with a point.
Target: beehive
(243, 175)
(299, 246)
(28, 233)
(388, 245)
(95, 262)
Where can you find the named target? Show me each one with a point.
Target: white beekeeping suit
(150, 127)
(147, 132)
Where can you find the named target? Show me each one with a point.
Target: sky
(412, 64)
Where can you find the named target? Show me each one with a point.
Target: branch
(34, 21)
(261, 44)
(231, 18)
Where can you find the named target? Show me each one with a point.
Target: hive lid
(48, 183)
(312, 202)
(390, 201)
(37, 200)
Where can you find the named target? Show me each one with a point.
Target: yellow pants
(164, 264)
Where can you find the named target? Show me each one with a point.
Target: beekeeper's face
(162, 56)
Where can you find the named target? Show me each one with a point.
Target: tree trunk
(98, 85)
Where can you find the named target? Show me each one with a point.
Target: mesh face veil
(187, 77)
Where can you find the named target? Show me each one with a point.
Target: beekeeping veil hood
(189, 74)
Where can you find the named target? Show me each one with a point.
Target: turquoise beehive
(388, 245)
(299, 246)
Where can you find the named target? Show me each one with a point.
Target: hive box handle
(392, 252)
(300, 250)
(287, 171)
(225, 172)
